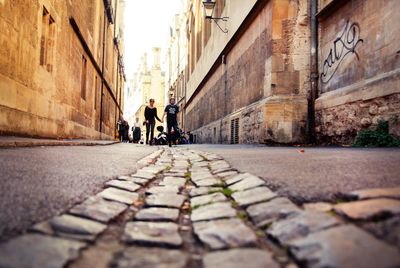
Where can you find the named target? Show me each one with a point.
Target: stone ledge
(16, 142)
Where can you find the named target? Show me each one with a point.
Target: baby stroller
(161, 138)
(181, 139)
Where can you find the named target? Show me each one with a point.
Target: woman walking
(150, 114)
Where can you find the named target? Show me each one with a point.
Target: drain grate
(235, 131)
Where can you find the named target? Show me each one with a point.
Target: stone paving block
(301, 225)
(38, 251)
(124, 185)
(207, 182)
(144, 175)
(178, 170)
(71, 227)
(165, 200)
(175, 174)
(344, 246)
(265, 213)
(152, 233)
(366, 209)
(221, 234)
(211, 157)
(226, 175)
(201, 176)
(163, 189)
(152, 169)
(238, 178)
(124, 178)
(139, 181)
(207, 199)
(170, 181)
(200, 164)
(222, 170)
(212, 212)
(252, 196)
(141, 257)
(388, 230)
(118, 195)
(214, 165)
(203, 191)
(393, 192)
(240, 258)
(247, 183)
(158, 214)
(98, 209)
(319, 206)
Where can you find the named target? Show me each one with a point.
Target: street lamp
(209, 6)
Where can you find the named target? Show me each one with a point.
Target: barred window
(47, 41)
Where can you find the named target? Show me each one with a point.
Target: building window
(207, 31)
(96, 84)
(83, 77)
(199, 20)
(192, 44)
(47, 41)
(219, 8)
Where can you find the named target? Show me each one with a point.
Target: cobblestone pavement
(186, 208)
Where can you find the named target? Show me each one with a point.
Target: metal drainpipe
(102, 73)
(313, 95)
(223, 61)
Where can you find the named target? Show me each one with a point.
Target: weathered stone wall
(236, 83)
(340, 124)
(37, 102)
(359, 65)
(251, 126)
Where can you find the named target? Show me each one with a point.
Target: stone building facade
(359, 68)
(61, 68)
(256, 83)
(175, 76)
(249, 85)
(149, 83)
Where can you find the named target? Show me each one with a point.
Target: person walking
(150, 115)
(121, 128)
(126, 131)
(171, 112)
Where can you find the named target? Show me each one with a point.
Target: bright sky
(146, 26)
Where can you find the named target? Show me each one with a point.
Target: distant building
(290, 71)
(61, 68)
(149, 84)
(176, 73)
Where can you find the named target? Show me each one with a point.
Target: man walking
(171, 112)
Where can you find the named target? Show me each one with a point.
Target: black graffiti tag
(343, 45)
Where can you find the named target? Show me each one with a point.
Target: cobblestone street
(187, 208)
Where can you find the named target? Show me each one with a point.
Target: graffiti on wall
(345, 44)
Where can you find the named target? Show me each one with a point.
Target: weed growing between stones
(202, 205)
(378, 137)
(188, 175)
(225, 191)
(266, 226)
(220, 184)
(242, 215)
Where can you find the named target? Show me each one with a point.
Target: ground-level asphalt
(39, 182)
(315, 174)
